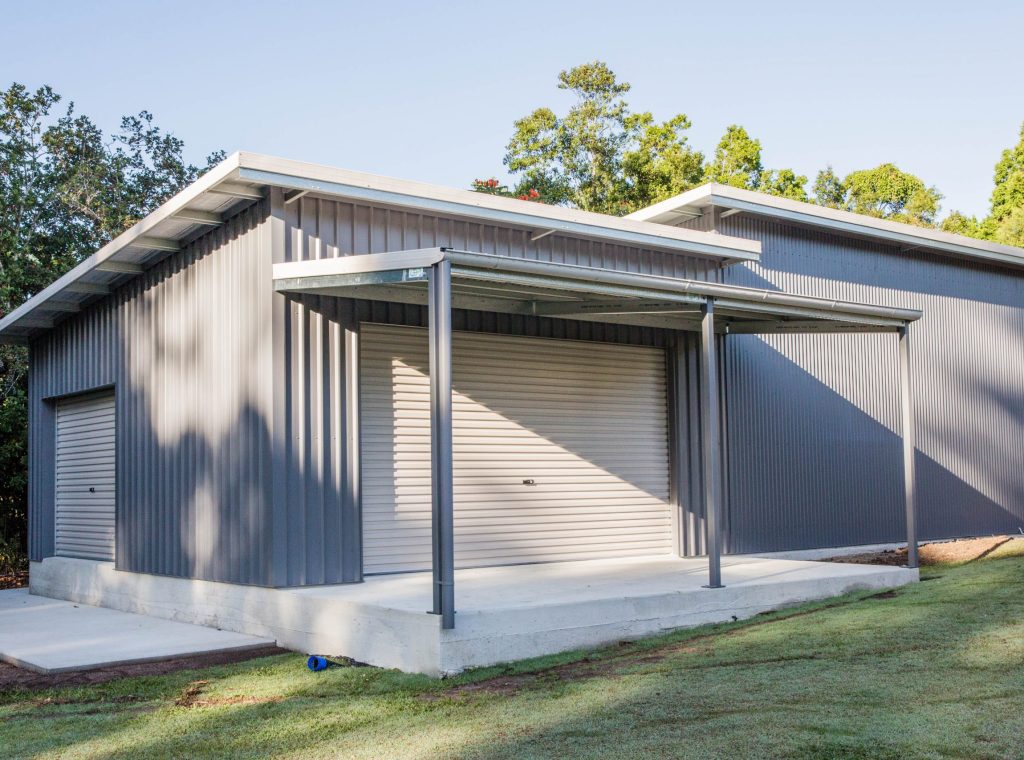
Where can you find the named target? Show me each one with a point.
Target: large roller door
(85, 477)
(560, 450)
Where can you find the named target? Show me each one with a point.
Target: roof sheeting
(691, 204)
(243, 178)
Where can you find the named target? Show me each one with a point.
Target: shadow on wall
(194, 406)
(810, 467)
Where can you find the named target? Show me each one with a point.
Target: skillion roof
(244, 178)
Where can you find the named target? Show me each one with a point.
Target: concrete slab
(51, 636)
(558, 583)
(502, 613)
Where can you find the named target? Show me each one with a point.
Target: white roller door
(585, 422)
(85, 477)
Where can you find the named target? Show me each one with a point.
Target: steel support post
(441, 476)
(909, 464)
(711, 422)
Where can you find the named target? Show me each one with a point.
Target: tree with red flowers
(493, 187)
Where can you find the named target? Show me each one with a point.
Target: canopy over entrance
(485, 282)
(444, 279)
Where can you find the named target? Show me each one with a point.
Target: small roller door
(85, 477)
(560, 450)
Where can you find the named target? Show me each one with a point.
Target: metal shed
(317, 375)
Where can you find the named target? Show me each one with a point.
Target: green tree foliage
(1005, 222)
(65, 190)
(829, 189)
(885, 192)
(737, 160)
(599, 156)
(785, 183)
(890, 193)
(961, 224)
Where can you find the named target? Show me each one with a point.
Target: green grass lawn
(934, 670)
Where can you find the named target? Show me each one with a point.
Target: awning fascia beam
(611, 307)
(733, 303)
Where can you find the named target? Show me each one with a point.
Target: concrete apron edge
(413, 641)
(25, 664)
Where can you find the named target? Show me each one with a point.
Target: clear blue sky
(429, 90)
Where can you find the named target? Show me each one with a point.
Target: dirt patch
(944, 553)
(17, 579)
(191, 693)
(190, 697)
(12, 678)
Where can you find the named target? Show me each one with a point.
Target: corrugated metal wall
(232, 399)
(81, 354)
(187, 347)
(813, 423)
(310, 361)
(323, 228)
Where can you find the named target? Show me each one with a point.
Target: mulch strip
(12, 677)
(943, 553)
(17, 579)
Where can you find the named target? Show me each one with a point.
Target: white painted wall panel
(586, 421)
(85, 477)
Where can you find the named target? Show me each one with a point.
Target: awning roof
(244, 178)
(486, 282)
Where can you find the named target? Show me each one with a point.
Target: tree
(599, 156)
(737, 162)
(829, 189)
(890, 193)
(885, 192)
(65, 190)
(1005, 222)
(961, 224)
(1010, 230)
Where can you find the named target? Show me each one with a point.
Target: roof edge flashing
(694, 202)
(467, 203)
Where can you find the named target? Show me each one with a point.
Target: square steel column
(441, 476)
(909, 446)
(711, 422)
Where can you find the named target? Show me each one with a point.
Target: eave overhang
(695, 203)
(245, 178)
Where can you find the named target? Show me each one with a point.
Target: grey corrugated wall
(230, 399)
(186, 347)
(310, 359)
(813, 421)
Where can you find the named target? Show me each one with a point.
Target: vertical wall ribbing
(813, 421)
(186, 347)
